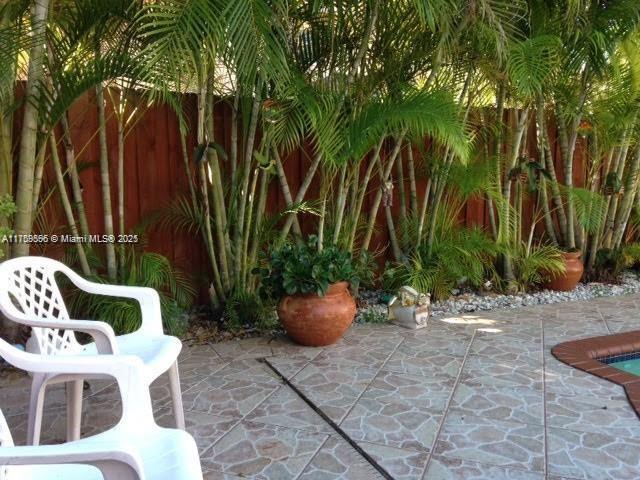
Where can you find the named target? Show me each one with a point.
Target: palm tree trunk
(6, 174)
(342, 200)
(257, 230)
(246, 174)
(217, 191)
(112, 266)
(286, 191)
(423, 212)
(121, 217)
(373, 213)
(41, 160)
(362, 192)
(66, 204)
(630, 191)
(233, 157)
(216, 292)
(27, 157)
(302, 191)
(72, 168)
(413, 191)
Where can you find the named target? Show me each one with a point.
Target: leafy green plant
(463, 255)
(304, 268)
(612, 262)
(533, 266)
(247, 308)
(145, 270)
(7, 209)
(371, 315)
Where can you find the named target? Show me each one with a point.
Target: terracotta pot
(318, 321)
(574, 269)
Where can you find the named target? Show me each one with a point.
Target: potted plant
(311, 286)
(573, 270)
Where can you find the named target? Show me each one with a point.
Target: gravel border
(373, 309)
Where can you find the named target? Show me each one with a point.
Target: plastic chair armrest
(113, 462)
(101, 332)
(148, 299)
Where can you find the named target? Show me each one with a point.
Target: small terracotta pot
(317, 321)
(572, 275)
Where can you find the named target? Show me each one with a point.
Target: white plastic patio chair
(30, 295)
(135, 449)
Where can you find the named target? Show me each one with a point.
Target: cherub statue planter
(410, 309)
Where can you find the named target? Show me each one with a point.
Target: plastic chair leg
(36, 408)
(74, 409)
(176, 396)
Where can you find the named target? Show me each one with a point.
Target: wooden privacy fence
(155, 175)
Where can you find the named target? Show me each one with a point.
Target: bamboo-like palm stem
(630, 191)
(27, 151)
(66, 204)
(362, 192)
(112, 266)
(413, 190)
(245, 174)
(373, 213)
(217, 192)
(302, 191)
(340, 204)
(72, 167)
(286, 191)
(257, 229)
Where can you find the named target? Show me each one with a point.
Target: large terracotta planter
(318, 321)
(573, 273)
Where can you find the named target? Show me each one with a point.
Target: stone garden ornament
(410, 308)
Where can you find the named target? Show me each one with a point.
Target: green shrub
(303, 268)
(152, 270)
(7, 209)
(533, 266)
(611, 263)
(463, 255)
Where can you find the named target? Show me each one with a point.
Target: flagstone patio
(470, 397)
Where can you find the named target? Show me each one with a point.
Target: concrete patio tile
(506, 351)
(425, 363)
(588, 455)
(446, 468)
(592, 414)
(518, 404)
(249, 370)
(483, 371)
(261, 451)
(401, 464)
(226, 396)
(286, 409)
(504, 354)
(337, 460)
(283, 346)
(54, 427)
(359, 333)
(568, 381)
(244, 349)
(529, 336)
(455, 345)
(372, 355)
(289, 365)
(214, 475)
(334, 388)
(507, 444)
(395, 424)
(206, 429)
(564, 333)
(425, 392)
